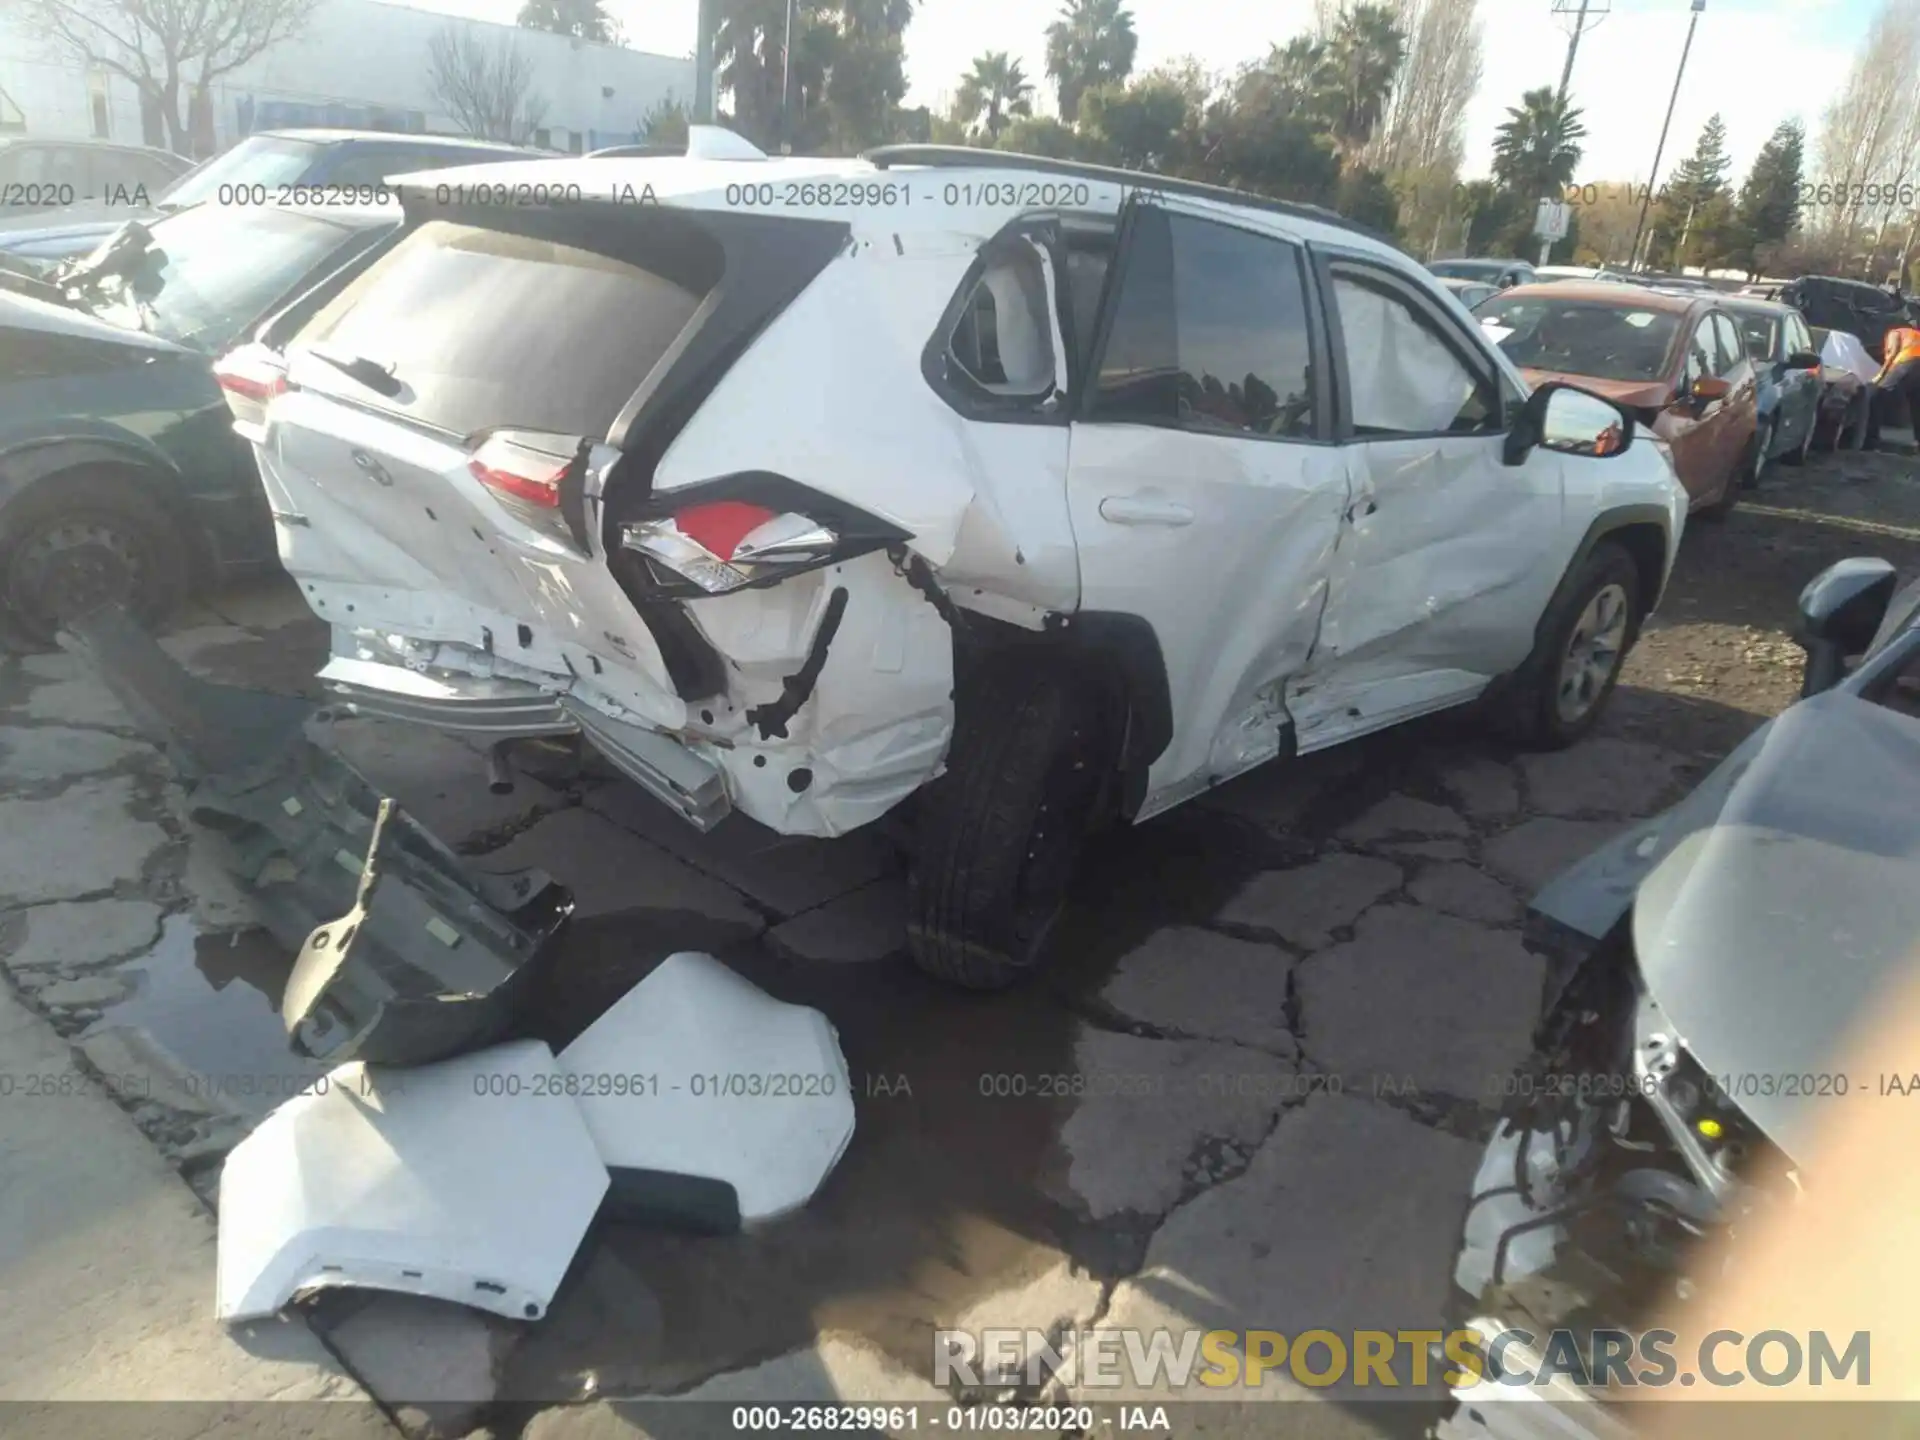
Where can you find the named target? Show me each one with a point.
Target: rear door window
(1210, 332)
(483, 328)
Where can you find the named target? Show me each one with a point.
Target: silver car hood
(1776, 905)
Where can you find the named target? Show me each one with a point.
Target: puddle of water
(212, 1002)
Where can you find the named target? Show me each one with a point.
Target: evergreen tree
(1696, 206)
(1769, 206)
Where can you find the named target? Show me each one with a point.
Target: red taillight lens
(721, 526)
(252, 377)
(516, 470)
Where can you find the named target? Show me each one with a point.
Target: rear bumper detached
(691, 786)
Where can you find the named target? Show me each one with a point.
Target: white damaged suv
(1045, 494)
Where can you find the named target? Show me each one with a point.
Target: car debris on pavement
(448, 1156)
(1742, 934)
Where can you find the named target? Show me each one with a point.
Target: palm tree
(992, 91)
(1537, 147)
(1091, 44)
(1358, 63)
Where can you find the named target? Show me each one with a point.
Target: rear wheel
(1557, 696)
(81, 540)
(999, 835)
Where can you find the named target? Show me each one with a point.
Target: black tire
(1529, 712)
(999, 834)
(81, 539)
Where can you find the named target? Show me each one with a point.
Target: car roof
(1610, 292)
(699, 183)
(318, 136)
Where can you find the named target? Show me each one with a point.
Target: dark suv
(264, 169)
(1854, 306)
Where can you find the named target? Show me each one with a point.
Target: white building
(360, 64)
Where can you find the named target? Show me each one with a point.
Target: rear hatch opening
(452, 457)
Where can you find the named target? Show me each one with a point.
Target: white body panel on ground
(693, 1028)
(471, 1180)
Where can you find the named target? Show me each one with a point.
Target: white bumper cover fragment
(698, 1072)
(472, 1180)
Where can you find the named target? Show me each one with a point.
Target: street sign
(1550, 219)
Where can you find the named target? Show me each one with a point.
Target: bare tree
(1421, 138)
(169, 49)
(1425, 121)
(486, 88)
(1871, 131)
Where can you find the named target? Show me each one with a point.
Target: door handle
(1360, 510)
(1144, 510)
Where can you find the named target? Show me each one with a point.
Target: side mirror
(1709, 389)
(1803, 360)
(1840, 610)
(1570, 421)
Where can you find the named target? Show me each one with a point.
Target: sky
(1756, 62)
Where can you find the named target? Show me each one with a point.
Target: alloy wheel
(1594, 652)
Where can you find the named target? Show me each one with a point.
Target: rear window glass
(1607, 342)
(486, 329)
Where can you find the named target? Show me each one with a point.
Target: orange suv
(1678, 362)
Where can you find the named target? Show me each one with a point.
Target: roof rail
(954, 156)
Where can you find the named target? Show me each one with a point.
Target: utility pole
(1646, 199)
(703, 63)
(1586, 14)
(786, 74)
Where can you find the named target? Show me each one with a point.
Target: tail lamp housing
(249, 378)
(746, 532)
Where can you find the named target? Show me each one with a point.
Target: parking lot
(1316, 975)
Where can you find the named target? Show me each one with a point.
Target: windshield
(212, 270)
(268, 160)
(1469, 269)
(1606, 342)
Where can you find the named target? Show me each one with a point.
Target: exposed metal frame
(883, 157)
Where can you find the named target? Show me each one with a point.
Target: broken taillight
(511, 468)
(249, 378)
(725, 544)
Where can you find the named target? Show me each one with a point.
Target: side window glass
(1003, 340)
(1732, 349)
(1403, 377)
(66, 165)
(1702, 360)
(1209, 331)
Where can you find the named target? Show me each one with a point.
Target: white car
(1046, 494)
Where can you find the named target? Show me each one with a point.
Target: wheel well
(1116, 655)
(1646, 546)
(126, 473)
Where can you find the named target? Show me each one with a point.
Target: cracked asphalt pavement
(1250, 1094)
